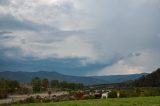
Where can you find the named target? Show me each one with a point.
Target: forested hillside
(150, 80)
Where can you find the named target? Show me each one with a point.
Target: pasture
(135, 101)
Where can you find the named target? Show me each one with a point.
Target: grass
(137, 101)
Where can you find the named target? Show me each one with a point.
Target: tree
(13, 86)
(63, 84)
(45, 83)
(3, 89)
(8, 87)
(36, 84)
(55, 84)
(49, 93)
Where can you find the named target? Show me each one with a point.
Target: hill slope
(150, 80)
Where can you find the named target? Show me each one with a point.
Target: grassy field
(139, 101)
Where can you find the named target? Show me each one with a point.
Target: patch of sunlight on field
(137, 101)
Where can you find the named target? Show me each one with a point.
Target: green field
(139, 101)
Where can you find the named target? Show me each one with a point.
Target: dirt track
(14, 98)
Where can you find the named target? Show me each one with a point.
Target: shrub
(79, 95)
(97, 95)
(112, 94)
(38, 97)
(46, 100)
(3, 95)
(31, 100)
(123, 94)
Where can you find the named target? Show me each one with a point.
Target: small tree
(36, 84)
(45, 83)
(49, 93)
(55, 84)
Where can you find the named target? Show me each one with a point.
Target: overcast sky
(80, 37)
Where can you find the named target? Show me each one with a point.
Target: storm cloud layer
(80, 37)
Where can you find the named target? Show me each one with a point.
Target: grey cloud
(64, 8)
(121, 29)
(4, 32)
(4, 2)
(56, 36)
(8, 22)
(11, 23)
(127, 26)
(134, 54)
(6, 35)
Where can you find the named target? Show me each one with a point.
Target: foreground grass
(138, 101)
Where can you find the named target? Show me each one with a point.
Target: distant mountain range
(119, 78)
(90, 80)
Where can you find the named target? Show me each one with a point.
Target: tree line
(37, 85)
(8, 87)
(43, 84)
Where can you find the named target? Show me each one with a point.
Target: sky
(80, 37)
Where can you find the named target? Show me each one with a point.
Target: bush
(63, 98)
(30, 100)
(38, 97)
(79, 95)
(123, 94)
(46, 100)
(112, 94)
(97, 95)
(3, 95)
